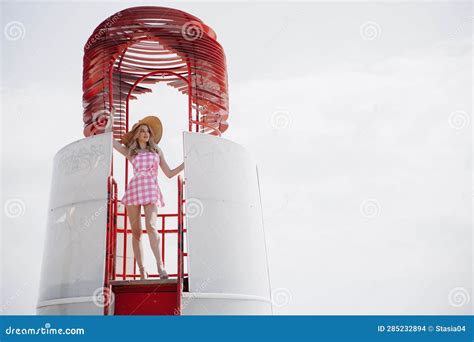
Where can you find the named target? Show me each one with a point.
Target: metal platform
(145, 297)
(143, 282)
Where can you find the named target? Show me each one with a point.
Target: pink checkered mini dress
(143, 188)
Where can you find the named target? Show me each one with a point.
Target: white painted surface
(74, 256)
(224, 304)
(72, 308)
(226, 244)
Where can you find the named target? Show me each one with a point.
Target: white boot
(162, 272)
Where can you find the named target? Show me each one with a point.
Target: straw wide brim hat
(151, 121)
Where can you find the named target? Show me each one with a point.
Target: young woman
(139, 146)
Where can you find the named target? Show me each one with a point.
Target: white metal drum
(74, 255)
(227, 261)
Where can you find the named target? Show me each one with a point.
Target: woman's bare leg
(133, 212)
(151, 211)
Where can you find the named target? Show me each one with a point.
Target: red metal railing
(180, 256)
(111, 243)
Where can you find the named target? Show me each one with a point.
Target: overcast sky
(357, 113)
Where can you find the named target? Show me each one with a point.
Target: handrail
(180, 245)
(164, 232)
(110, 243)
(114, 230)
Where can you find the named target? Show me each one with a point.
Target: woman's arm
(166, 169)
(118, 146)
(121, 148)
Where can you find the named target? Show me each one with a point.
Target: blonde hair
(133, 145)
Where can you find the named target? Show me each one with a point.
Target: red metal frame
(146, 45)
(111, 242)
(130, 43)
(163, 231)
(180, 256)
